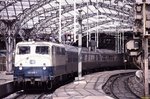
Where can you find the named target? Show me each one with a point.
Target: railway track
(31, 96)
(36, 93)
(24, 95)
(128, 84)
(117, 86)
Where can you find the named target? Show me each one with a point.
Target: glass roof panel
(34, 13)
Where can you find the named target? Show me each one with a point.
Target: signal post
(142, 30)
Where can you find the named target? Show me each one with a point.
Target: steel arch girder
(33, 8)
(70, 7)
(95, 24)
(123, 27)
(85, 16)
(91, 25)
(7, 5)
(84, 4)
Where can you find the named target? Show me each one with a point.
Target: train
(48, 62)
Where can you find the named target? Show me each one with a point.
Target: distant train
(49, 62)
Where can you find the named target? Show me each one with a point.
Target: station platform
(91, 89)
(5, 78)
(6, 84)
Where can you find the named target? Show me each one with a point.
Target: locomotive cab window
(23, 50)
(42, 49)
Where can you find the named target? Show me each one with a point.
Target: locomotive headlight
(44, 68)
(20, 68)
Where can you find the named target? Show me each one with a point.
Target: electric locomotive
(48, 62)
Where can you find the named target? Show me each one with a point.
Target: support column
(145, 46)
(74, 33)
(97, 37)
(87, 34)
(123, 47)
(80, 79)
(120, 43)
(116, 42)
(9, 41)
(60, 21)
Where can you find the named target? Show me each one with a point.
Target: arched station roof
(43, 16)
